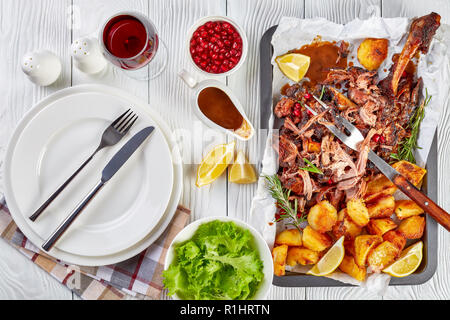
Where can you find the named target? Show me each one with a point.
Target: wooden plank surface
(27, 25)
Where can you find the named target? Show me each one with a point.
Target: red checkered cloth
(139, 277)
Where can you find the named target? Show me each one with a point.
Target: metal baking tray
(429, 262)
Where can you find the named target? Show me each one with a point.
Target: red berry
(307, 96)
(309, 112)
(376, 138)
(382, 139)
(297, 106)
(296, 112)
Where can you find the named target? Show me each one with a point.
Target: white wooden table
(28, 25)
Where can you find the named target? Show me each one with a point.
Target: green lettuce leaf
(219, 262)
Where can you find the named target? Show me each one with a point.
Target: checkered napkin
(139, 277)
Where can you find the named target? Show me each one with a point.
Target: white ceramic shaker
(42, 67)
(88, 56)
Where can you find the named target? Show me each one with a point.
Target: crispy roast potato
(407, 208)
(381, 206)
(357, 211)
(382, 256)
(342, 102)
(396, 238)
(379, 185)
(410, 171)
(380, 226)
(363, 245)
(279, 255)
(303, 256)
(372, 52)
(412, 227)
(345, 226)
(315, 240)
(322, 216)
(290, 237)
(349, 266)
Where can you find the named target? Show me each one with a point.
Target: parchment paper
(434, 68)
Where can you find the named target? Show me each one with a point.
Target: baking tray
(429, 263)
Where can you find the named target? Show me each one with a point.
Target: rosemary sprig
(322, 92)
(311, 167)
(281, 196)
(409, 145)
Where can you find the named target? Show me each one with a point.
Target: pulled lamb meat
(377, 108)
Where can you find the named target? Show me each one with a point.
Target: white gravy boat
(244, 133)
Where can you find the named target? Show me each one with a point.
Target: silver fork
(111, 136)
(355, 137)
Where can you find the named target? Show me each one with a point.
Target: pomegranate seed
(297, 106)
(218, 28)
(211, 31)
(376, 138)
(330, 182)
(226, 25)
(382, 139)
(196, 34)
(307, 96)
(213, 39)
(296, 112)
(208, 24)
(204, 34)
(309, 112)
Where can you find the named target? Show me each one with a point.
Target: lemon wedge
(293, 65)
(408, 261)
(330, 261)
(214, 164)
(241, 171)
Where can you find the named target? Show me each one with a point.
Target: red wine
(130, 43)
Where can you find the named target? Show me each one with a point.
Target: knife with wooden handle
(428, 205)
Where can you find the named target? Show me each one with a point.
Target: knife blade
(119, 159)
(114, 165)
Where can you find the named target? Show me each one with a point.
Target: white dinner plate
(52, 140)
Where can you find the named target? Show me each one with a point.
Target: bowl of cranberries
(217, 46)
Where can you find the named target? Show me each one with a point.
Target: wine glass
(130, 41)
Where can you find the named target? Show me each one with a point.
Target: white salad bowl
(264, 252)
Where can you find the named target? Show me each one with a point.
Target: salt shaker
(42, 67)
(88, 56)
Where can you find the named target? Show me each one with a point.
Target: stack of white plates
(52, 141)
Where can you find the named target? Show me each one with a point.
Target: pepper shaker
(42, 67)
(87, 55)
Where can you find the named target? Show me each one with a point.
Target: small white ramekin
(264, 251)
(238, 28)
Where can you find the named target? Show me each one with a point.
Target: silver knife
(109, 171)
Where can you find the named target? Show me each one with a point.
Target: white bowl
(238, 28)
(264, 252)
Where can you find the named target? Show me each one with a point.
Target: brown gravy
(324, 56)
(218, 107)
